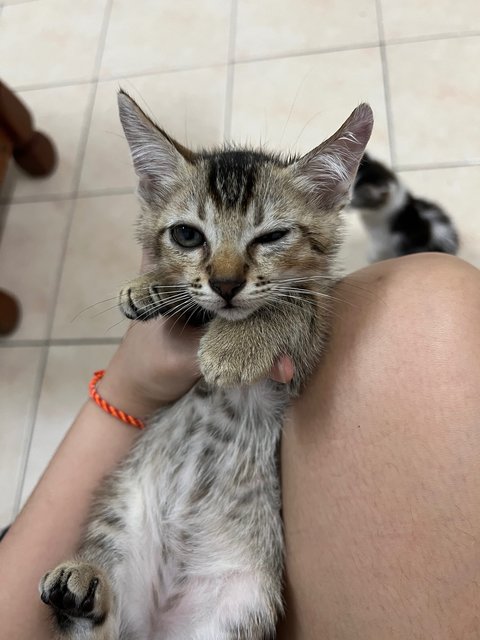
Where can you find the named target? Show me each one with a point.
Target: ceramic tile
(435, 97)
(317, 94)
(282, 27)
(156, 35)
(101, 255)
(188, 104)
(64, 127)
(411, 18)
(7, 2)
(49, 41)
(18, 370)
(59, 404)
(30, 252)
(457, 191)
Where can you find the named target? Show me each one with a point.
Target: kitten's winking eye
(187, 237)
(273, 236)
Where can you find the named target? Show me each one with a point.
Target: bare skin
(379, 464)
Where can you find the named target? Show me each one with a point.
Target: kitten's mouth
(199, 317)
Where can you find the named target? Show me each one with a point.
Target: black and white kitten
(397, 222)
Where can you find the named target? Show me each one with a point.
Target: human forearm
(49, 528)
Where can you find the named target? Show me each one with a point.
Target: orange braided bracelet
(107, 407)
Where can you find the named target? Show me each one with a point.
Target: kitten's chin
(233, 313)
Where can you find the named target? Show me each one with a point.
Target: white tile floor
(283, 72)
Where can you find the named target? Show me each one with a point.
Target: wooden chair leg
(6, 150)
(9, 313)
(32, 150)
(37, 157)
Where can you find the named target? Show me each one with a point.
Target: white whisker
(91, 307)
(186, 308)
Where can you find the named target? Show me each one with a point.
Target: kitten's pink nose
(226, 287)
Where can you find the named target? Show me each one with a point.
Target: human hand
(157, 363)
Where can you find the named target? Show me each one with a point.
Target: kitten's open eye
(187, 237)
(273, 236)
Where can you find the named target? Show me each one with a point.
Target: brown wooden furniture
(35, 154)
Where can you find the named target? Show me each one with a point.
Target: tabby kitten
(397, 222)
(185, 538)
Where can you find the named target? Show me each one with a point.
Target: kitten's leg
(142, 298)
(242, 352)
(248, 609)
(82, 601)
(244, 609)
(239, 593)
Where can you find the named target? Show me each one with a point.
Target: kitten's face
(229, 232)
(233, 260)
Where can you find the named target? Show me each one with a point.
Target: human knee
(416, 318)
(427, 301)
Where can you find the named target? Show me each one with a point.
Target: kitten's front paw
(78, 590)
(230, 367)
(226, 374)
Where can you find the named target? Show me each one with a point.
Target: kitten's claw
(76, 589)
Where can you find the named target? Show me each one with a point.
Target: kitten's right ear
(158, 160)
(326, 173)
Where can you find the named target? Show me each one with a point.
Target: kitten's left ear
(326, 173)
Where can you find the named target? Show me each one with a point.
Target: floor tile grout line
(56, 288)
(23, 342)
(227, 122)
(55, 197)
(112, 191)
(119, 77)
(292, 54)
(58, 342)
(14, 4)
(158, 72)
(25, 88)
(310, 52)
(102, 39)
(386, 83)
(452, 35)
(48, 197)
(435, 166)
(29, 429)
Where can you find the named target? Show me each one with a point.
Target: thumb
(282, 370)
